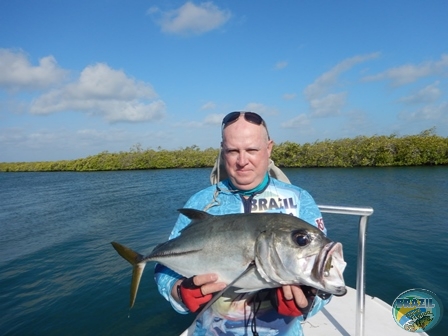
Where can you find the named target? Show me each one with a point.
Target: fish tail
(136, 260)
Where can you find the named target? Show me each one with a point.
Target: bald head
(246, 149)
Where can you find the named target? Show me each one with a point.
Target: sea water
(59, 275)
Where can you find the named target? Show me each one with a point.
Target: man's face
(246, 151)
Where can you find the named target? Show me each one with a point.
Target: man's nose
(242, 159)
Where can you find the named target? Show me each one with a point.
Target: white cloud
(103, 91)
(327, 80)
(9, 137)
(23, 144)
(153, 10)
(409, 73)
(17, 73)
(299, 121)
(428, 94)
(132, 111)
(260, 109)
(255, 107)
(357, 122)
(329, 105)
(208, 106)
(325, 104)
(438, 113)
(289, 96)
(281, 65)
(214, 119)
(20, 138)
(190, 18)
(190, 124)
(210, 120)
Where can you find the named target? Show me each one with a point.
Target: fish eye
(301, 239)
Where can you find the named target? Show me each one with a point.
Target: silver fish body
(285, 249)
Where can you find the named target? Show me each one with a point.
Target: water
(59, 274)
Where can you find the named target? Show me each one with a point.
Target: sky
(81, 77)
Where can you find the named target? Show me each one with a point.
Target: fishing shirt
(232, 313)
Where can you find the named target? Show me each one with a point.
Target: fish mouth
(329, 267)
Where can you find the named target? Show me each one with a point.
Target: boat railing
(363, 213)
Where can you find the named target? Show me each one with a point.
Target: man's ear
(270, 146)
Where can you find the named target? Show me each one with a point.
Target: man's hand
(291, 300)
(196, 291)
(295, 292)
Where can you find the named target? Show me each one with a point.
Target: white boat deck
(339, 318)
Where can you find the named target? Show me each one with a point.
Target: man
(245, 150)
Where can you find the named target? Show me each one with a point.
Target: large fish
(248, 251)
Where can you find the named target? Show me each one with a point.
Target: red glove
(191, 295)
(289, 307)
(283, 306)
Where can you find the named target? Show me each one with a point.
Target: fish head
(300, 255)
(328, 269)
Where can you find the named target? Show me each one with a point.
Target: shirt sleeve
(309, 211)
(166, 278)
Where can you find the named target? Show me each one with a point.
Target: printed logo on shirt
(275, 204)
(320, 224)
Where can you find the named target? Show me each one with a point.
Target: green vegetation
(377, 151)
(426, 148)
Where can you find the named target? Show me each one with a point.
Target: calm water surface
(59, 274)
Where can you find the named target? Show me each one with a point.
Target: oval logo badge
(417, 310)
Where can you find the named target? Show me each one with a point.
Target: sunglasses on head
(251, 117)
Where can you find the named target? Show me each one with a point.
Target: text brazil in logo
(417, 310)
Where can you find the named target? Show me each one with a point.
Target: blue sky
(81, 77)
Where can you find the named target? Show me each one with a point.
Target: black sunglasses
(251, 117)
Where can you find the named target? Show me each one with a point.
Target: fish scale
(285, 249)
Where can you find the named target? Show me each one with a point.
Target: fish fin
(194, 214)
(217, 295)
(137, 272)
(131, 256)
(136, 260)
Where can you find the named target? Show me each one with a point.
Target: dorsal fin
(194, 214)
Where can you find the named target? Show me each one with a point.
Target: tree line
(426, 148)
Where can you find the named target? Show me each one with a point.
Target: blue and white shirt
(232, 313)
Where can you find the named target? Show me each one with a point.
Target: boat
(355, 313)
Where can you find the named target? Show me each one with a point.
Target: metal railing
(364, 214)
